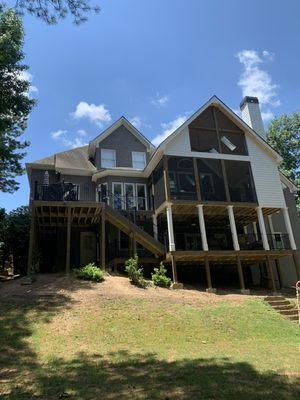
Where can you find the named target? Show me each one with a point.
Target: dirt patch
(55, 285)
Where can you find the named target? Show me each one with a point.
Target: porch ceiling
(56, 213)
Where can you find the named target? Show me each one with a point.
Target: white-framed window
(108, 158)
(141, 196)
(138, 160)
(129, 196)
(102, 193)
(118, 195)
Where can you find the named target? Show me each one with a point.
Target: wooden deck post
(31, 241)
(68, 245)
(241, 276)
(174, 269)
(133, 245)
(271, 275)
(102, 239)
(209, 288)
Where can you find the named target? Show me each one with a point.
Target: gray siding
(124, 142)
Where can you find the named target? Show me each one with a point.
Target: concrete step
(284, 307)
(274, 298)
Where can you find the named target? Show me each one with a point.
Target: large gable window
(108, 158)
(138, 160)
(213, 132)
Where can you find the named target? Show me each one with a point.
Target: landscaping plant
(90, 273)
(159, 277)
(135, 274)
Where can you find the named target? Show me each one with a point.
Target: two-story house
(209, 201)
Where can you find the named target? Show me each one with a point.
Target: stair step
(289, 312)
(284, 307)
(274, 298)
(293, 317)
(279, 303)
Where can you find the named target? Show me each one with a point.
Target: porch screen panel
(240, 181)
(159, 187)
(211, 180)
(182, 178)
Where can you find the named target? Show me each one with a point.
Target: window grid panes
(138, 160)
(108, 158)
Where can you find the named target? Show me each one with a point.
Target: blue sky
(155, 62)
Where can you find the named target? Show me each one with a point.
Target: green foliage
(14, 233)
(159, 277)
(135, 273)
(90, 273)
(51, 11)
(284, 136)
(15, 103)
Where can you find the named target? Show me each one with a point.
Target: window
(130, 196)
(240, 182)
(118, 196)
(108, 158)
(211, 180)
(141, 196)
(138, 160)
(102, 195)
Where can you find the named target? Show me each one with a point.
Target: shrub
(135, 274)
(159, 277)
(90, 273)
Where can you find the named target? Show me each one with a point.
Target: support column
(202, 227)
(241, 276)
(31, 241)
(289, 229)
(235, 239)
(245, 229)
(134, 245)
(262, 228)
(68, 246)
(209, 288)
(170, 227)
(297, 265)
(155, 230)
(102, 247)
(271, 275)
(255, 230)
(174, 269)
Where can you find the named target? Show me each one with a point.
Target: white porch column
(255, 230)
(202, 227)
(170, 227)
(155, 230)
(288, 226)
(262, 228)
(246, 230)
(235, 239)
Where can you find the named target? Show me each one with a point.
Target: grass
(136, 349)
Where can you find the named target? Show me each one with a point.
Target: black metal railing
(279, 241)
(62, 191)
(128, 203)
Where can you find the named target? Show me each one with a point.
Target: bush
(90, 273)
(159, 277)
(135, 274)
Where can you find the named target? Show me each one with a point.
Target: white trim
(115, 157)
(286, 182)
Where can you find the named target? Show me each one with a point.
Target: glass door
(117, 195)
(141, 196)
(129, 196)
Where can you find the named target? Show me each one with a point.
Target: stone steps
(283, 306)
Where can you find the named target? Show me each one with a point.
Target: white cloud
(62, 136)
(160, 100)
(27, 76)
(267, 115)
(254, 80)
(58, 134)
(82, 132)
(136, 121)
(97, 114)
(169, 128)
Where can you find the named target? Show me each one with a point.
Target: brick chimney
(252, 116)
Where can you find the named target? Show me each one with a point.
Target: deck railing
(62, 191)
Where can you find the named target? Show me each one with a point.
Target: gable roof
(215, 101)
(128, 125)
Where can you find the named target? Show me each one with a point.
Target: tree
(284, 136)
(51, 11)
(15, 104)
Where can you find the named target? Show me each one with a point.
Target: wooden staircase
(130, 228)
(284, 307)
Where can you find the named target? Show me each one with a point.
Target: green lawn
(54, 348)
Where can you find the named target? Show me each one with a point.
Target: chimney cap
(248, 99)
